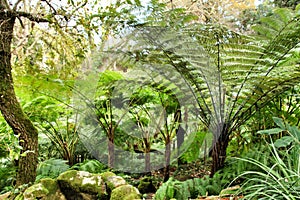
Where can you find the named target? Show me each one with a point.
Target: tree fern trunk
(167, 161)
(219, 153)
(10, 107)
(111, 152)
(147, 162)
(147, 155)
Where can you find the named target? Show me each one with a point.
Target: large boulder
(81, 185)
(46, 189)
(125, 192)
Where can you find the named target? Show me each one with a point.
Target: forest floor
(196, 169)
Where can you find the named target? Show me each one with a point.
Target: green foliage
(195, 149)
(51, 168)
(233, 75)
(92, 166)
(57, 122)
(279, 177)
(191, 188)
(7, 175)
(9, 142)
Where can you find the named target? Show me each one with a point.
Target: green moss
(125, 192)
(82, 182)
(68, 175)
(105, 175)
(36, 191)
(146, 186)
(50, 184)
(114, 182)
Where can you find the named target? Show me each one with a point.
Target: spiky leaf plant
(280, 177)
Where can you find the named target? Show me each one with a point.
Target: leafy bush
(280, 179)
(51, 168)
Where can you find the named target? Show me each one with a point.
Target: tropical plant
(279, 178)
(232, 75)
(57, 122)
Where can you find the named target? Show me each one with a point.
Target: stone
(82, 185)
(105, 175)
(113, 182)
(46, 189)
(146, 186)
(125, 192)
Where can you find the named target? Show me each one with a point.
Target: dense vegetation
(183, 100)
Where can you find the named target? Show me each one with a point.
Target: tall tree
(75, 22)
(9, 104)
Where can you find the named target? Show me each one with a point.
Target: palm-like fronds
(231, 75)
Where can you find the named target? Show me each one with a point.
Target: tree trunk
(111, 152)
(219, 153)
(167, 161)
(10, 107)
(147, 162)
(147, 155)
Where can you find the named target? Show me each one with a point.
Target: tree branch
(30, 17)
(16, 5)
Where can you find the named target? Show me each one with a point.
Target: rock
(46, 189)
(81, 185)
(146, 186)
(105, 175)
(113, 182)
(125, 192)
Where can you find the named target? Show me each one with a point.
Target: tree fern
(231, 76)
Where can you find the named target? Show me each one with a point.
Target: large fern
(232, 76)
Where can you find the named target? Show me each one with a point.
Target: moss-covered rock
(105, 175)
(46, 189)
(113, 182)
(146, 185)
(125, 192)
(79, 184)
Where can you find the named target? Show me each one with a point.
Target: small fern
(51, 168)
(191, 188)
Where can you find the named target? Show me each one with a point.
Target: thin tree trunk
(219, 153)
(147, 162)
(111, 152)
(11, 109)
(147, 155)
(167, 161)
